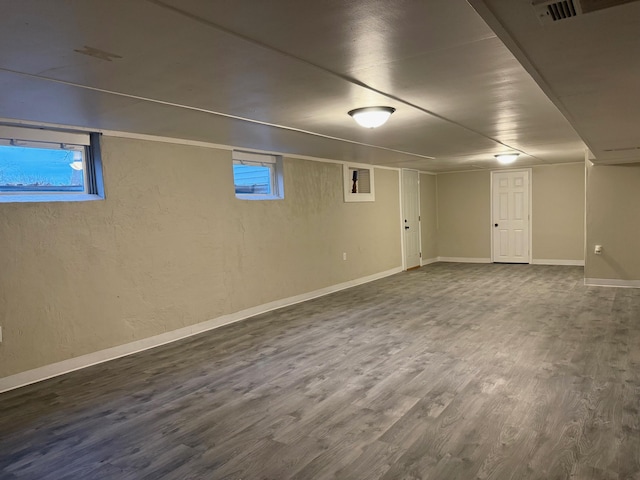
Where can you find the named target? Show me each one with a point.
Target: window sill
(359, 197)
(51, 197)
(240, 196)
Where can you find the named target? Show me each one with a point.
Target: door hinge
(420, 254)
(418, 217)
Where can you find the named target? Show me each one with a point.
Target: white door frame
(402, 235)
(491, 227)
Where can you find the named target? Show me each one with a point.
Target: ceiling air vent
(553, 11)
(549, 12)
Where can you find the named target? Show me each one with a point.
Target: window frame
(347, 169)
(85, 142)
(274, 162)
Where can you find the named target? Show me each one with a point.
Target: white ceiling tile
(588, 65)
(217, 70)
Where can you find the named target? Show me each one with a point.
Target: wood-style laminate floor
(451, 371)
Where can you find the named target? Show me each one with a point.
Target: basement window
(358, 183)
(42, 165)
(257, 176)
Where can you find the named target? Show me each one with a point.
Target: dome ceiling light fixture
(371, 117)
(507, 158)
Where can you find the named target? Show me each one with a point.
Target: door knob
(406, 227)
(495, 225)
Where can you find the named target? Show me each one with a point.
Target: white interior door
(511, 219)
(411, 220)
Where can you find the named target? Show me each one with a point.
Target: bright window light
(45, 165)
(252, 179)
(45, 168)
(257, 176)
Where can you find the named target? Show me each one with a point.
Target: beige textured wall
(558, 212)
(171, 246)
(613, 221)
(464, 214)
(429, 216)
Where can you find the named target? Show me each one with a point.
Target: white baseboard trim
(60, 368)
(611, 282)
(537, 261)
(428, 261)
(551, 261)
(464, 260)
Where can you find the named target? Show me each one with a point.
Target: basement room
(364, 239)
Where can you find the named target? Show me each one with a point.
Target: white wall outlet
(598, 250)
(344, 255)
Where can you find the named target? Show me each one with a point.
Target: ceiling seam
(344, 77)
(504, 35)
(212, 112)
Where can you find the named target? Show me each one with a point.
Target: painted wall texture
(464, 213)
(171, 246)
(429, 216)
(613, 221)
(558, 212)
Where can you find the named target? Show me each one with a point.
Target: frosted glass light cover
(507, 158)
(371, 117)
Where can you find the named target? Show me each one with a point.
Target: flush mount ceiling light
(507, 158)
(371, 117)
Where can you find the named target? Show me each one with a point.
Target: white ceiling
(588, 65)
(280, 76)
